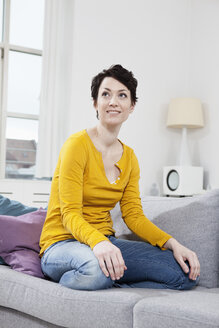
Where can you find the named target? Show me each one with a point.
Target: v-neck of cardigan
(117, 164)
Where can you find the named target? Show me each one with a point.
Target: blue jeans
(74, 265)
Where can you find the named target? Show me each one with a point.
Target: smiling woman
(95, 170)
(125, 86)
(114, 101)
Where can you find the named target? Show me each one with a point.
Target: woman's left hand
(181, 254)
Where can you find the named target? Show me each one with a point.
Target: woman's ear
(131, 109)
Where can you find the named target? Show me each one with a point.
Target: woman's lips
(113, 111)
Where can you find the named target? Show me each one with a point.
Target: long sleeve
(132, 212)
(81, 197)
(73, 159)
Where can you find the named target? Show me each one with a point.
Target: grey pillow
(196, 226)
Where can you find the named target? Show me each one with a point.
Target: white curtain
(56, 84)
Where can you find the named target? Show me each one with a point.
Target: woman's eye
(123, 95)
(105, 94)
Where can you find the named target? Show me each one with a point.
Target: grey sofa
(27, 301)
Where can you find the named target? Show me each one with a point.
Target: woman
(95, 170)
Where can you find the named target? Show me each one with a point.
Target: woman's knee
(97, 278)
(176, 277)
(188, 283)
(87, 277)
(180, 280)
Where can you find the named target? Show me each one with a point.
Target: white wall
(168, 44)
(204, 82)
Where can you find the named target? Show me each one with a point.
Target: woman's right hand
(110, 259)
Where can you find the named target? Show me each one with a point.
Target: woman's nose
(113, 101)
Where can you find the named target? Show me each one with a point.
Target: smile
(113, 111)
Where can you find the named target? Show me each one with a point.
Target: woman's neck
(103, 137)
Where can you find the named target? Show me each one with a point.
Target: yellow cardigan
(81, 197)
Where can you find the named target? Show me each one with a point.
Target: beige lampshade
(185, 112)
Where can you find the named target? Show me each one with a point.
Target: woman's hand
(110, 259)
(182, 254)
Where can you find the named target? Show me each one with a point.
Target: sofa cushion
(185, 309)
(19, 241)
(2, 261)
(13, 318)
(194, 221)
(66, 307)
(12, 207)
(196, 226)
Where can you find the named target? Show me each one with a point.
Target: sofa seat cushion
(11, 318)
(184, 309)
(63, 306)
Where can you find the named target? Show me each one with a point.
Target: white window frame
(5, 48)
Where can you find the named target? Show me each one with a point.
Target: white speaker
(182, 180)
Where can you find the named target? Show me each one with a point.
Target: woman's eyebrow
(118, 90)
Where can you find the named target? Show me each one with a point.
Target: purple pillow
(19, 241)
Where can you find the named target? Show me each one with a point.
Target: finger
(103, 267)
(194, 274)
(121, 265)
(118, 264)
(193, 271)
(193, 267)
(110, 267)
(183, 265)
(197, 267)
(116, 267)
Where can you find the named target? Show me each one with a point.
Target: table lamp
(184, 179)
(185, 113)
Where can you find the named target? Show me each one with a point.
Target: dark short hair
(120, 74)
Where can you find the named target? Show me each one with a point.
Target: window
(1, 19)
(21, 35)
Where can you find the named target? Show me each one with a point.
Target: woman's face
(113, 102)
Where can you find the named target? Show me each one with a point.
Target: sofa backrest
(193, 221)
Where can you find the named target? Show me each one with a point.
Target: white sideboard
(29, 192)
